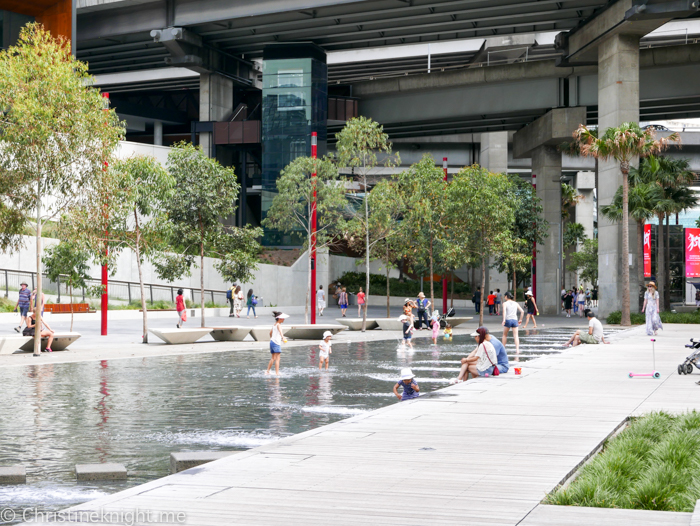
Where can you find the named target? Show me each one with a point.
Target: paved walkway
(483, 452)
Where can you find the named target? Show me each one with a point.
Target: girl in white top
(481, 360)
(325, 349)
(320, 300)
(276, 340)
(238, 301)
(510, 321)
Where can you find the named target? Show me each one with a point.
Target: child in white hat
(435, 325)
(325, 349)
(409, 385)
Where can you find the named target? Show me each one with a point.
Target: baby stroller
(443, 317)
(687, 366)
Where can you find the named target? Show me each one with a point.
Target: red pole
(314, 145)
(105, 275)
(444, 276)
(534, 248)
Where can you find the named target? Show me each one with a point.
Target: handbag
(495, 372)
(184, 315)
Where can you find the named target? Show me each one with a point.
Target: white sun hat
(283, 316)
(407, 374)
(403, 317)
(327, 334)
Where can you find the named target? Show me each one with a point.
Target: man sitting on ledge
(595, 332)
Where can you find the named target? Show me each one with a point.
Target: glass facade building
(294, 104)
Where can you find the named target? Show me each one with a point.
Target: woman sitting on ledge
(481, 360)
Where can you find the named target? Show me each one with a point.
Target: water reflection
(137, 411)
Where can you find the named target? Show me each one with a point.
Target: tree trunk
(483, 289)
(364, 307)
(144, 307)
(625, 249)
(432, 282)
(37, 301)
(640, 262)
(452, 292)
(70, 293)
(388, 292)
(667, 266)
(515, 285)
(660, 259)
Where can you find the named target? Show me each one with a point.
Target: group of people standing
(578, 300)
(341, 294)
(235, 297)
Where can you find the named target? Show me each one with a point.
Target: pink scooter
(655, 374)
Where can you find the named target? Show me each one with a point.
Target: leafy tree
(56, 136)
(358, 145)
(574, 233)
(585, 261)
(528, 229)
(569, 198)
(481, 211)
(291, 208)
(205, 193)
(624, 144)
(423, 191)
(127, 211)
(385, 208)
(70, 262)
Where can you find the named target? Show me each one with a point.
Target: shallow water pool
(137, 411)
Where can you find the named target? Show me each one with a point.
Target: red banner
(692, 252)
(647, 251)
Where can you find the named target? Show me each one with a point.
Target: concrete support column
(618, 102)
(493, 154)
(158, 133)
(546, 165)
(215, 103)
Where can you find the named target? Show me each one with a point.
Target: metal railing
(123, 291)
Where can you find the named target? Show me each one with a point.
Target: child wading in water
(276, 340)
(407, 329)
(435, 324)
(448, 331)
(410, 387)
(325, 349)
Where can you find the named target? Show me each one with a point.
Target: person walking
(651, 309)
(238, 301)
(581, 302)
(23, 302)
(568, 302)
(251, 302)
(423, 304)
(229, 298)
(34, 300)
(531, 306)
(320, 300)
(511, 321)
(476, 299)
(343, 301)
(594, 296)
(276, 340)
(498, 301)
(180, 308)
(361, 298)
(491, 302)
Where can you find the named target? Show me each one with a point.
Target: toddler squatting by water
(409, 385)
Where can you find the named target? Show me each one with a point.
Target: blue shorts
(275, 348)
(343, 305)
(23, 309)
(488, 371)
(511, 324)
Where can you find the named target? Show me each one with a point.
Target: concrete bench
(180, 336)
(85, 472)
(61, 341)
(185, 460)
(458, 320)
(311, 332)
(261, 333)
(390, 324)
(13, 475)
(355, 324)
(229, 334)
(9, 344)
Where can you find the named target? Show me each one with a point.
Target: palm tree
(641, 209)
(624, 144)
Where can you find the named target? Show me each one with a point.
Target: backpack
(254, 300)
(229, 295)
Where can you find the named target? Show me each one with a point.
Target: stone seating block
(183, 460)
(13, 475)
(86, 472)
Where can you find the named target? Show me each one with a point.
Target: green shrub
(409, 288)
(638, 318)
(7, 305)
(654, 464)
